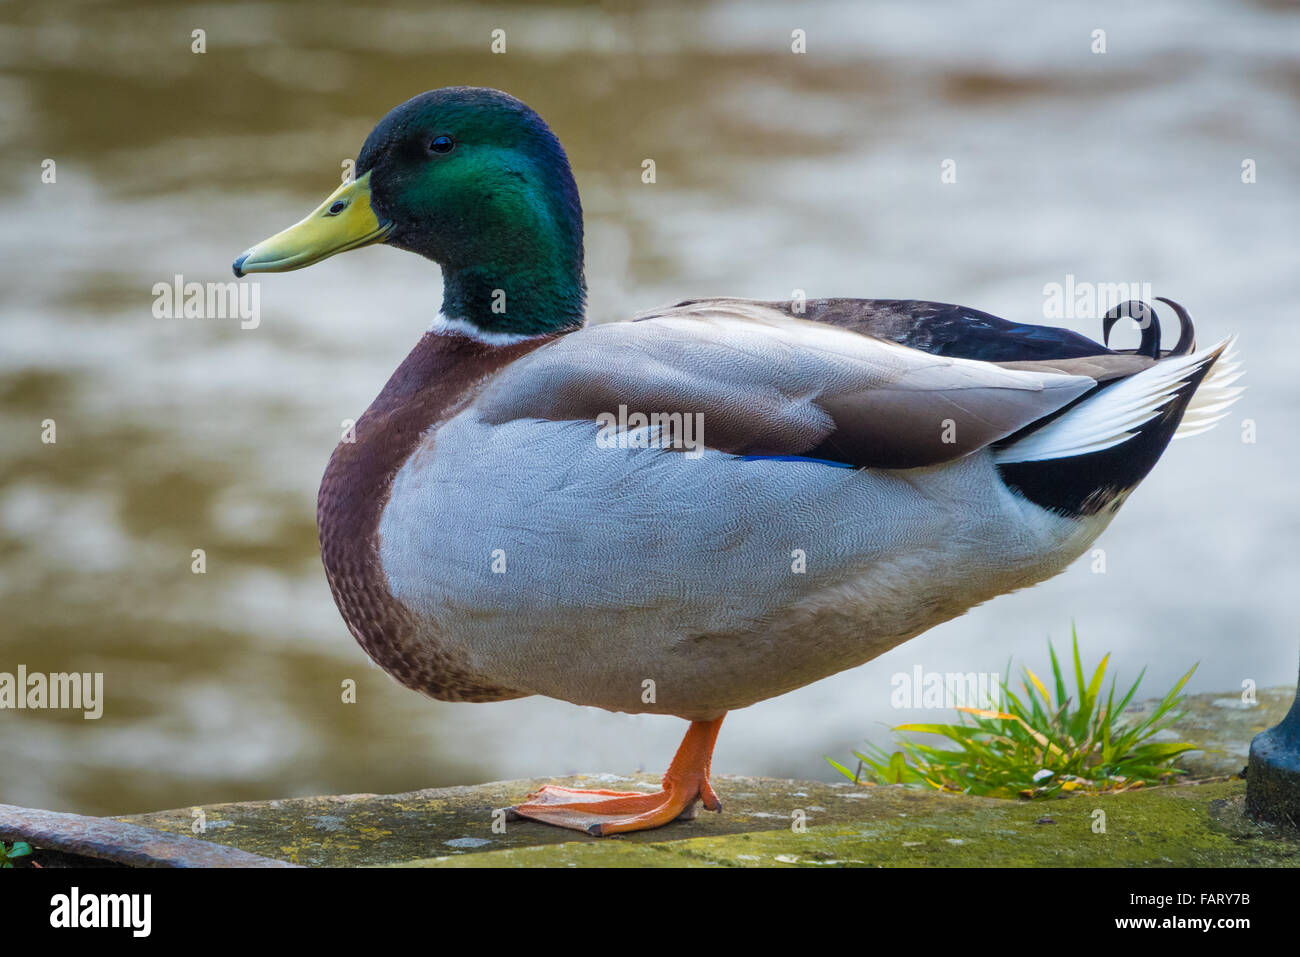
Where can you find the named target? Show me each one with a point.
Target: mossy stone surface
(770, 822)
(766, 822)
(1223, 725)
(1182, 826)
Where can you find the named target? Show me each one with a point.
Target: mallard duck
(705, 505)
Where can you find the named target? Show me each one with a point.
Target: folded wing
(767, 384)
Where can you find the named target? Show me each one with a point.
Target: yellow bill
(344, 221)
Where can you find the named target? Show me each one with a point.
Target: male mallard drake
(707, 505)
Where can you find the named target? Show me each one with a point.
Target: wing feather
(764, 383)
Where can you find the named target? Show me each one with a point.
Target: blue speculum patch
(794, 458)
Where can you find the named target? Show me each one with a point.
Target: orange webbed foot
(602, 812)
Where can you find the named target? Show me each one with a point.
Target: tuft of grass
(1041, 745)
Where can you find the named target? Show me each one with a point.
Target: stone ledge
(1199, 823)
(1181, 826)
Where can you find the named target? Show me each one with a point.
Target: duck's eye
(441, 144)
(337, 207)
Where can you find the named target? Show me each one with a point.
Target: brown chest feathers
(441, 374)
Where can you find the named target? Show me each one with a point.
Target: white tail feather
(1116, 413)
(1214, 396)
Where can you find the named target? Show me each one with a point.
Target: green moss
(1187, 824)
(1195, 826)
(1184, 825)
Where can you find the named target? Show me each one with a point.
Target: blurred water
(776, 172)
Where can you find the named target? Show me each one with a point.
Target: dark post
(1273, 774)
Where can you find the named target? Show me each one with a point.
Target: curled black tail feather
(1145, 316)
(1149, 323)
(1186, 331)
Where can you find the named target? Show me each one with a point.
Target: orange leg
(613, 812)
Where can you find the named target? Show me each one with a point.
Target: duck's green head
(474, 180)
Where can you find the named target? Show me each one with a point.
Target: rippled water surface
(775, 172)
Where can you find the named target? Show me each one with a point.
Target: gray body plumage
(645, 580)
(636, 565)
